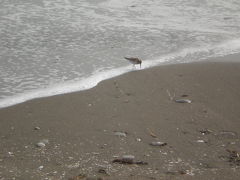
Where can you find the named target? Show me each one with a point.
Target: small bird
(134, 60)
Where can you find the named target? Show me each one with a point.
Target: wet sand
(79, 129)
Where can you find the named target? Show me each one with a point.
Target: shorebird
(134, 60)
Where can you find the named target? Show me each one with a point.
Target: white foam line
(75, 86)
(229, 47)
(64, 88)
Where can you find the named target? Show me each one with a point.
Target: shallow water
(51, 47)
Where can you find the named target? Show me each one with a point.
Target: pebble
(40, 167)
(158, 143)
(40, 144)
(120, 134)
(183, 101)
(201, 141)
(205, 131)
(10, 153)
(128, 158)
(37, 128)
(139, 139)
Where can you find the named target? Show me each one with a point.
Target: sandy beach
(84, 135)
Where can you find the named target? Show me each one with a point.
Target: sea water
(50, 47)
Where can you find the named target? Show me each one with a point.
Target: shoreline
(79, 128)
(51, 91)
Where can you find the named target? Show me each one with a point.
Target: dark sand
(80, 127)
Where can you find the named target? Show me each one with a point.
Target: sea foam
(189, 54)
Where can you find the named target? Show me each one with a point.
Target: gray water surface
(44, 43)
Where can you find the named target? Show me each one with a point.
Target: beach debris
(102, 171)
(205, 131)
(74, 165)
(36, 128)
(183, 101)
(170, 96)
(78, 177)
(42, 143)
(128, 159)
(151, 133)
(10, 153)
(201, 141)
(120, 134)
(158, 143)
(234, 157)
(40, 168)
(89, 105)
(138, 139)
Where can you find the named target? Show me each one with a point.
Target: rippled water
(49, 47)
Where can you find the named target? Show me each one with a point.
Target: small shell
(40, 167)
(200, 141)
(37, 128)
(183, 101)
(40, 144)
(120, 134)
(158, 143)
